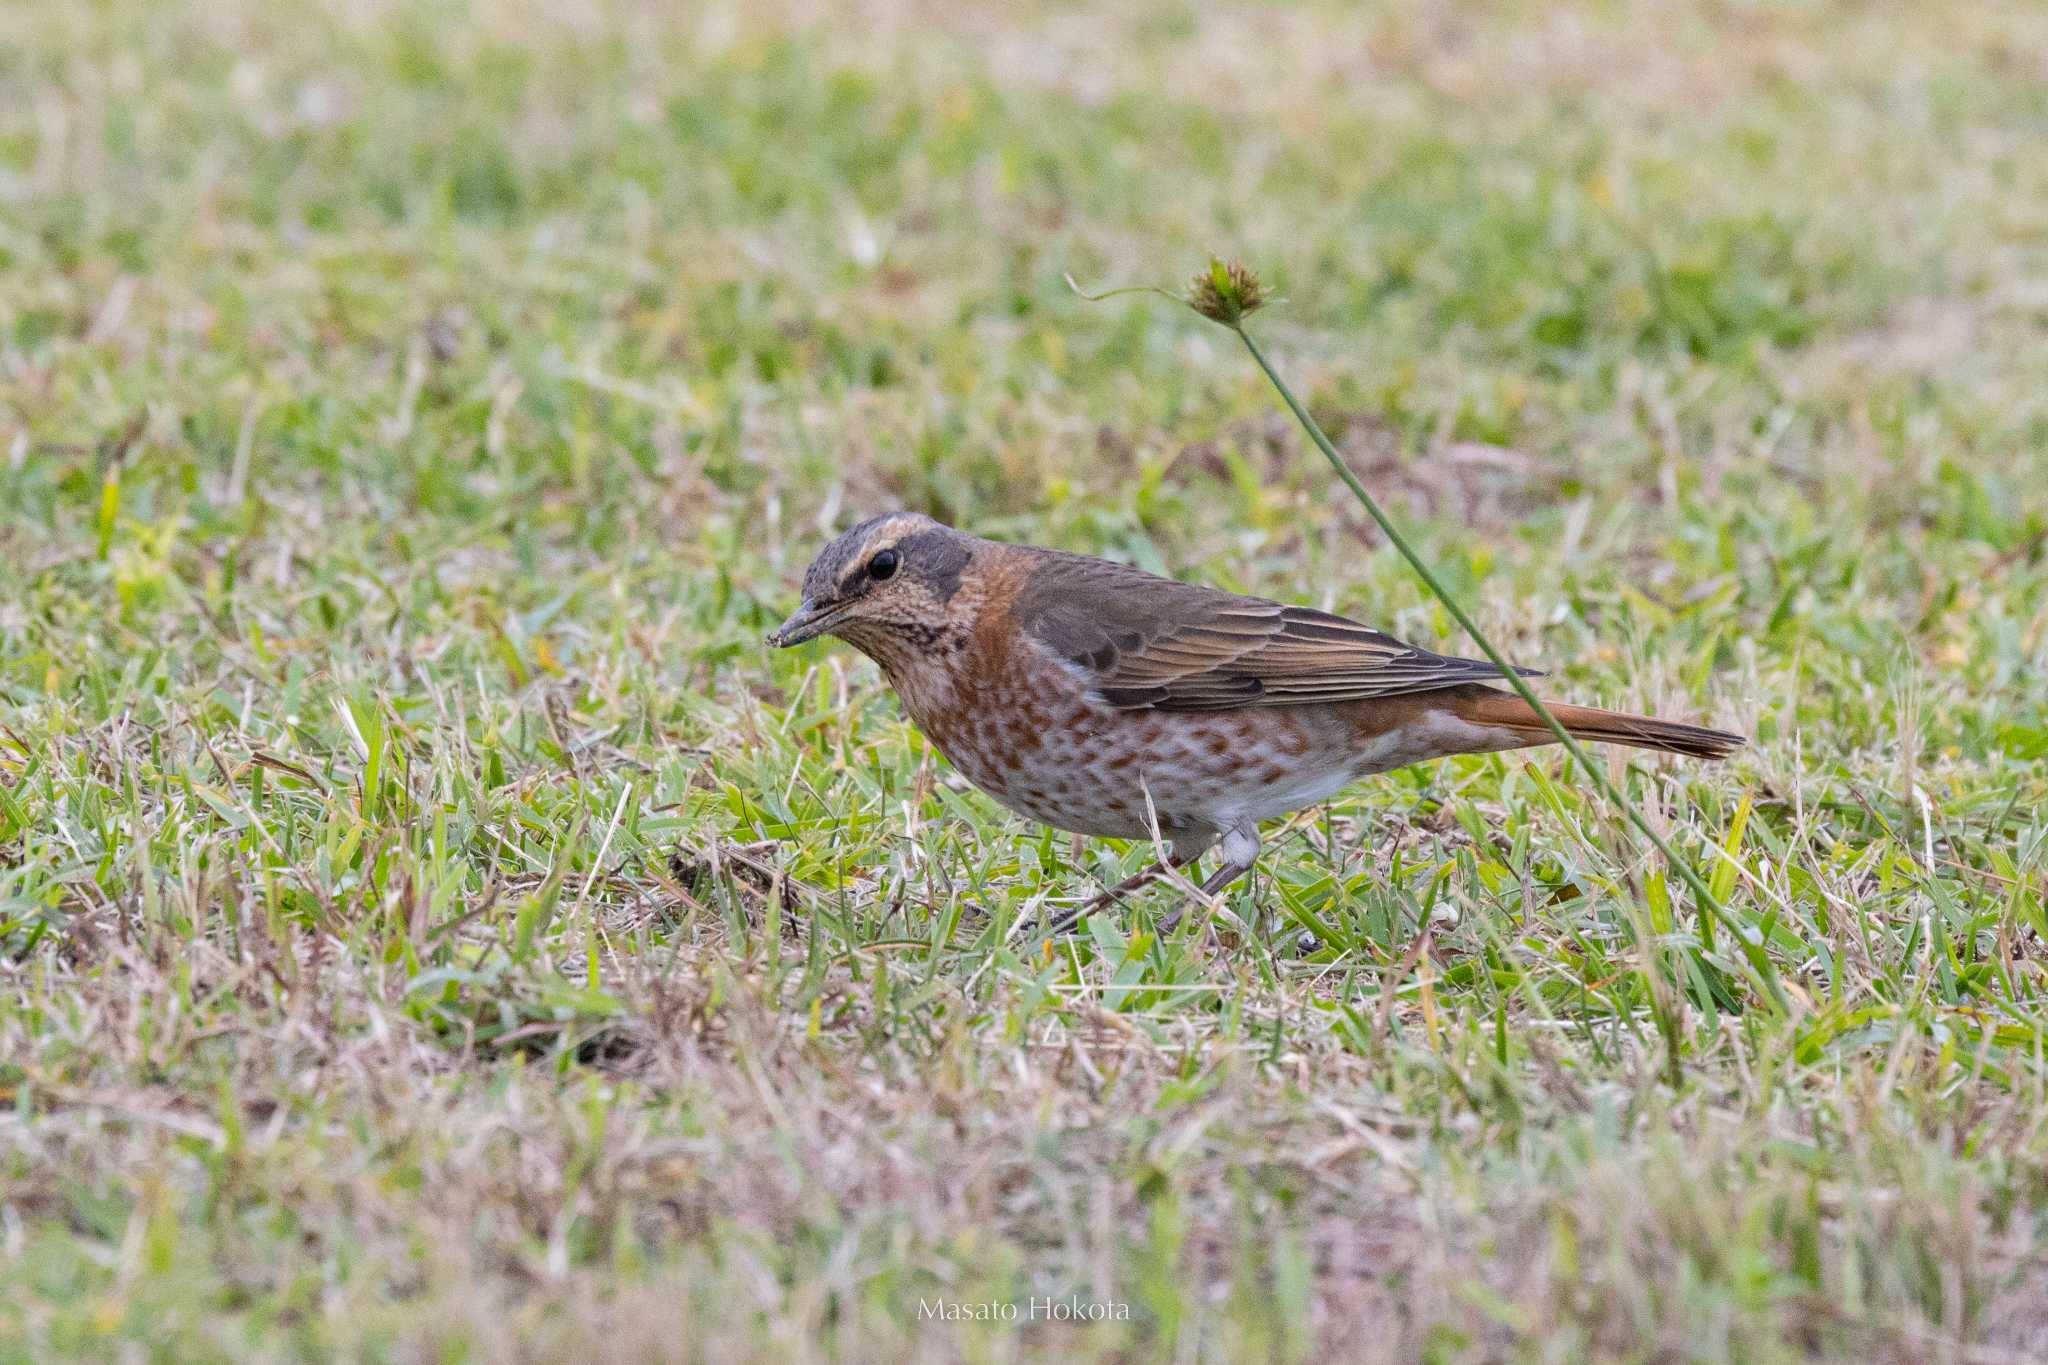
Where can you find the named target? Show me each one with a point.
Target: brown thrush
(1098, 698)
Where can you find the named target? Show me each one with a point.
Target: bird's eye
(883, 565)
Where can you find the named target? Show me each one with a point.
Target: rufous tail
(1590, 722)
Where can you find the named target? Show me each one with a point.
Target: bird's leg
(1240, 851)
(1183, 852)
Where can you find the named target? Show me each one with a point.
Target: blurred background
(412, 415)
(624, 277)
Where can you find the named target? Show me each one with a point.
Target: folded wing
(1153, 643)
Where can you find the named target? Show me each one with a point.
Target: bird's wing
(1152, 643)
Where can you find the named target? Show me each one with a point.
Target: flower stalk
(1227, 293)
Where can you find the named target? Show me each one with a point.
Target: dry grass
(431, 927)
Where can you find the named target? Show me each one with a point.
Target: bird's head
(882, 586)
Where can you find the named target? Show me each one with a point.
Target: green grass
(432, 926)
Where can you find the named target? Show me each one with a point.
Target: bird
(1101, 699)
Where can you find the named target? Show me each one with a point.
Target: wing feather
(1152, 643)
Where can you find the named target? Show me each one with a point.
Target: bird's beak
(807, 622)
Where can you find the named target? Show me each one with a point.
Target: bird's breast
(1027, 731)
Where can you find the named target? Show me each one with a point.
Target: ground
(433, 927)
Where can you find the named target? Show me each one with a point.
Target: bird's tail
(1508, 712)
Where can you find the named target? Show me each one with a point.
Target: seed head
(1227, 292)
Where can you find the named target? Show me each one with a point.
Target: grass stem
(1762, 974)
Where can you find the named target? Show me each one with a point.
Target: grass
(433, 927)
